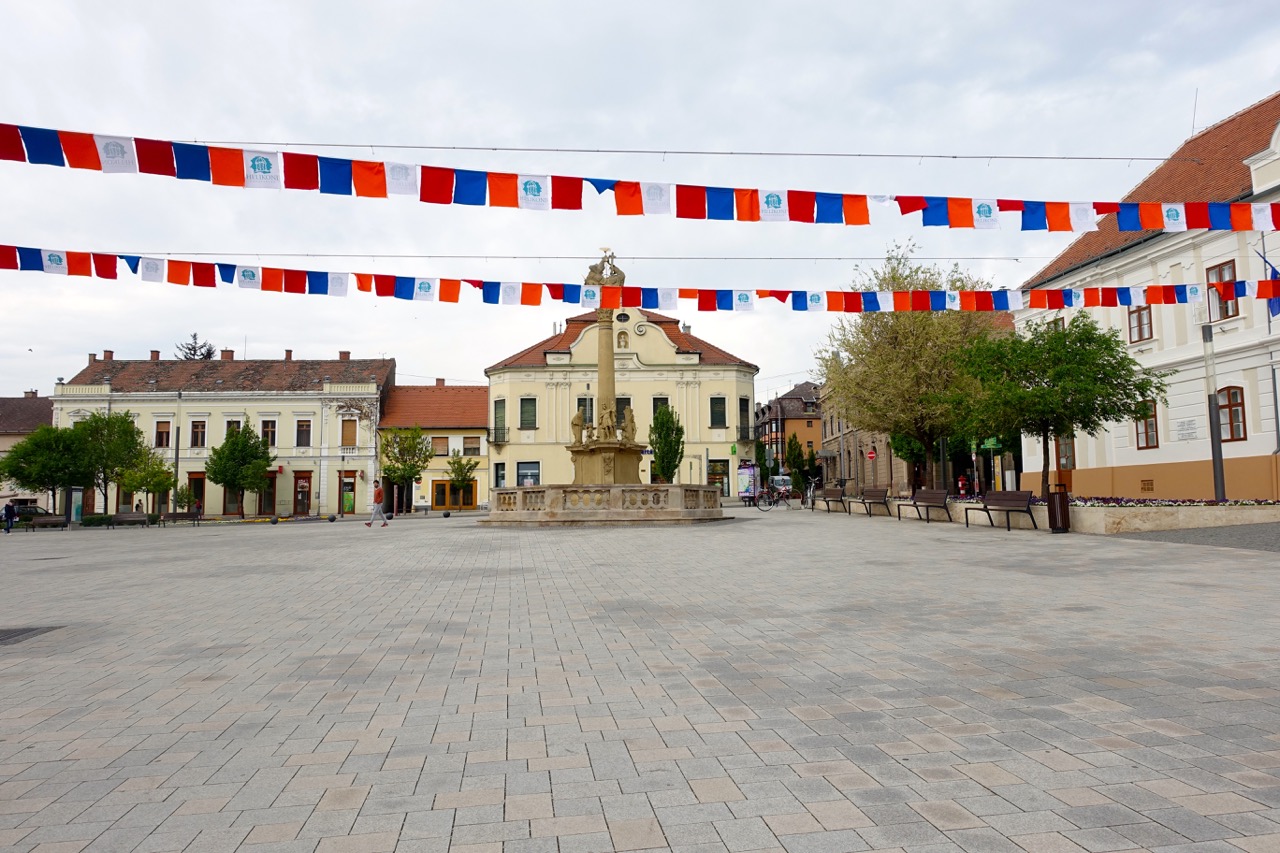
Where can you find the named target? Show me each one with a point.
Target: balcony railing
(498, 435)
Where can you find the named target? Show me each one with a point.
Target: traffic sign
(871, 454)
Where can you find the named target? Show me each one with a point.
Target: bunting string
(267, 169)
(212, 274)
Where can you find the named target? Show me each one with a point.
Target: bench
(37, 521)
(129, 518)
(1006, 502)
(873, 497)
(833, 493)
(192, 517)
(927, 499)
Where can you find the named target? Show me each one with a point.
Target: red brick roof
(22, 415)
(536, 355)
(439, 406)
(247, 375)
(1219, 175)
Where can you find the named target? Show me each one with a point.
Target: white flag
(152, 269)
(1262, 218)
(668, 298)
(402, 179)
(1251, 289)
(885, 200)
(1083, 216)
(249, 277)
(816, 300)
(590, 296)
(509, 293)
(773, 206)
(656, 198)
(1195, 293)
(984, 213)
(1175, 217)
(338, 283)
(1137, 296)
(262, 170)
(884, 299)
(54, 261)
(425, 289)
(534, 192)
(116, 153)
(1015, 300)
(1077, 297)
(953, 299)
(744, 300)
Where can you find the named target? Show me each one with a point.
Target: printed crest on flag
(509, 293)
(262, 170)
(54, 261)
(425, 289)
(249, 277)
(744, 300)
(338, 283)
(985, 213)
(655, 198)
(116, 153)
(1083, 216)
(668, 298)
(773, 206)
(1175, 217)
(402, 179)
(816, 300)
(953, 300)
(590, 296)
(151, 269)
(1195, 293)
(533, 192)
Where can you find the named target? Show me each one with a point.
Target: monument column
(606, 393)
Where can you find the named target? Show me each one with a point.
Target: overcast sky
(903, 78)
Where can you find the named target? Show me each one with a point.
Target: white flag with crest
(773, 206)
(425, 289)
(533, 192)
(744, 300)
(116, 153)
(262, 170)
(54, 261)
(1175, 217)
(249, 277)
(655, 198)
(402, 179)
(1083, 216)
(152, 269)
(338, 283)
(668, 298)
(509, 293)
(590, 296)
(985, 213)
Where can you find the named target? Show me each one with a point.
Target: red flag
(104, 266)
(910, 203)
(301, 171)
(202, 275)
(384, 285)
(556, 291)
(1055, 299)
(11, 144)
(566, 193)
(1110, 298)
(852, 301)
(1003, 204)
(155, 157)
(295, 281)
(801, 205)
(984, 300)
(1197, 214)
(920, 298)
(631, 297)
(691, 202)
(706, 300)
(437, 185)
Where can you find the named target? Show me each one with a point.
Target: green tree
(1055, 380)
(110, 445)
(240, 463)
(194, 349)
(794, 457)
(405, 453)
(811, 469)
(666, 439)
(48, 459)
(900, 373)
(150, 475)
(182, 497)
(462, 473)
(762, 461)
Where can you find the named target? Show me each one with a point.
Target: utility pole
(1215, 422)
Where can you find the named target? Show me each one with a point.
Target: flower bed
(1133, 515)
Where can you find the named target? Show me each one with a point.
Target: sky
(905, 78)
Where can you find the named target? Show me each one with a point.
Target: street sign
(871, 454)
(768, 455)
(991, 444)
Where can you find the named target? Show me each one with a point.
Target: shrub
(95, 521)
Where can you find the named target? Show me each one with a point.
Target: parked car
(29, 510)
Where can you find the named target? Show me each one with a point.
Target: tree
(182, 497)
(900, 373)
(151, 475)
(48, 459)
(110, 444)
(240, 463)
(762, 461)
(461, 473)
(794, 458)
(666, 439)
(194, 349)
(811, 469)
(405, 453)
(1055, 380)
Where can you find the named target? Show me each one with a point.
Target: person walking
(377, 506)
(10, 516)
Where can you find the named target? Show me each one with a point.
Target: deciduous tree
(48, 459)
(461, 473)
(151, 475)
(405, 453)
(240, 463)
(666, 439)
(110, 444)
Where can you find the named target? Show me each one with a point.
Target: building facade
(319, 417)
(798, 412)
(534, 394)
(19, 417)
(1167, 454)
(455, 418)
(859, 459)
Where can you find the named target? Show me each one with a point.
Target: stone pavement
(1257, 537)
(785, 681)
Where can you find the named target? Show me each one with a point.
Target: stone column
(606, 393)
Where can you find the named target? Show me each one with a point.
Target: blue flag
(1273, 304)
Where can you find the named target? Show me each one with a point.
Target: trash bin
(1059, 509)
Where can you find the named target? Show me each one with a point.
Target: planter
(1133, 519)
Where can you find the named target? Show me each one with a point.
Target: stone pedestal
(606, 463)
(604, 505)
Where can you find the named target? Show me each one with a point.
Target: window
(500, 414)
(1219, 308)
(1066, 453)
(1058, 324)
(269, 435)
(1148, 438)
(620, 410)
(233, 427)
(440, 446)
(808, 445)
(1139, 323)
(744, 413)
(499, 475)
(471, 445)
(303, 434)
(528, 474)
(197, 433)
(528, 413)
(660, 403)
(1231, 413)
(348, 432)
(718, 416)
(810, 407)
(162, 433)
(587, 405)
(809, 424)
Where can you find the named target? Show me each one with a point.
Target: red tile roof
(21, 415)
(247, 375)
(439, 406)
(1208, 167)
(536, 355)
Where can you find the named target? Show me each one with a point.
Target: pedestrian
(377, 506)
(10, 516)
(199, 508)
(137, 507)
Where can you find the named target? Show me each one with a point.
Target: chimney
(30, 395)
(155, 355)
(288, 355)
(228, 355)
(93, 358)
(686, 328)
(344, 355)
(439, 383)
(108, 355)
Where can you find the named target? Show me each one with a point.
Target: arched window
(1231, 413)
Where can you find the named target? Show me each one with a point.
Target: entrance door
(718, 475)
(348, 499)
(302, 493)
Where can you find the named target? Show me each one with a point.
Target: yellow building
(534, 394)
(318, 416)
(19, 417)
(455, 418)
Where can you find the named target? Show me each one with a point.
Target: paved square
(792, 681)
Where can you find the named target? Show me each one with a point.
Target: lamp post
(1215, 423)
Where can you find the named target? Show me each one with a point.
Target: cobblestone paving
(1257, 537)
(791, 681)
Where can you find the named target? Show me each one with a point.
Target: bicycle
(810, 492)
(770, 497)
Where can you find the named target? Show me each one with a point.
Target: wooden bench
(873, 497)
(1006, 502)
(192, 517)
(927, 499)
(130, 518)
(37, 521)
(833, 493)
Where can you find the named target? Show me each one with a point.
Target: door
(302, 493)
(348, 504)
(718, 475)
